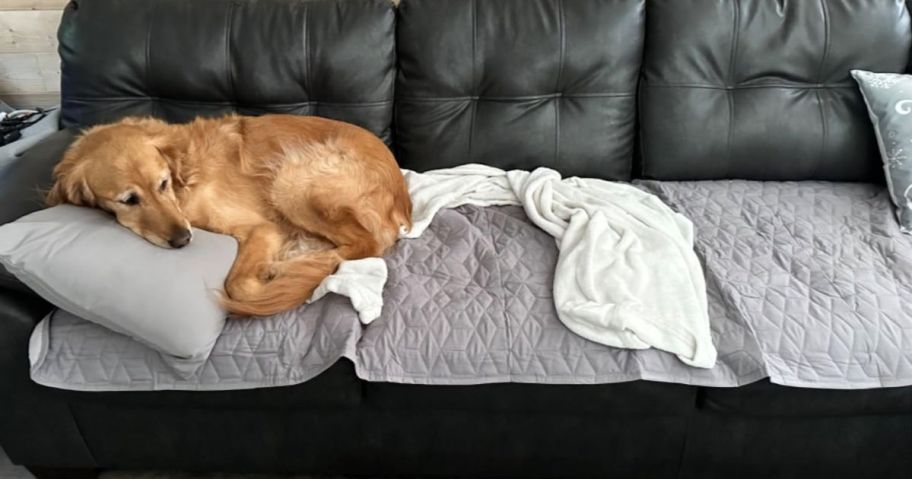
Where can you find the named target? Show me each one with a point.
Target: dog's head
(129, 169)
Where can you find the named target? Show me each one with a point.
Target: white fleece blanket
(627, 275)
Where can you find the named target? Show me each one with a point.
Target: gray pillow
(889, 100)
(82, 261)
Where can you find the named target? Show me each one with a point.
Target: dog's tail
(295, 284)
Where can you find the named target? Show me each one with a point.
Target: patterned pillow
(889, 100)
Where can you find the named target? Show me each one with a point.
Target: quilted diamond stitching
(808, 283)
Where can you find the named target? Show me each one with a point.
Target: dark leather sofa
(617, 89)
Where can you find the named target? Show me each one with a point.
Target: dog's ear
(172, 152)
(55, 195)
(70, 186)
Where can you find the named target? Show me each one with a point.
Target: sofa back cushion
(519, 84)
(176, 59)
(760, 89)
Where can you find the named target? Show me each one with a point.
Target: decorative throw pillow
(82, 261)
(889, 100)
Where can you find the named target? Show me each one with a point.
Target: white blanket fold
(627, 275)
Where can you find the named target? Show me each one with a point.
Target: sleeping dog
(269, 181)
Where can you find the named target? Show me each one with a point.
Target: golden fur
(273, 182)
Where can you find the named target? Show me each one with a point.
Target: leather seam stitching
(149, 54)
(512, 98)
(228, 23)
(306, 40)
(560, 70)
(759, 86)
(227, 103)
(823, 60)
(640, 129)
(474, 80)
(736, 19)
(736, 32)
(826, 40)
(392, 128)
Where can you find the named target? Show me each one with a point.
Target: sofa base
(723, 446)
(452, 443)
(638, 429)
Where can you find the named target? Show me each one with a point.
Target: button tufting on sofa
(519, 84)
(247, 57)
(761, 90)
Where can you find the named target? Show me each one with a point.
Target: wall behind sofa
(29, 64)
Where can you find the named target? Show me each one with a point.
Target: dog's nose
(180, 238)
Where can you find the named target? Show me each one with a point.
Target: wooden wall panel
(29, 31)
(22, 73)
(29, 65)
(32, 4)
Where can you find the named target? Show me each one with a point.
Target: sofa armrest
(24, 177)
(8, 282)
(19, 313)
(22, 180)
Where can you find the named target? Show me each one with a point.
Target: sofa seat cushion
(818, 272)
(808, 283)
(764, 398)
(468, 302)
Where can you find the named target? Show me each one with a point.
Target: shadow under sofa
(209, 61)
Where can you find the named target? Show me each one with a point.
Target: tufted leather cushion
(519, 84)
(177, 59)
(760, 89)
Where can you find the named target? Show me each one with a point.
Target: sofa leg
(63, 473)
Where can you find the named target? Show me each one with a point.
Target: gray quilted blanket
(809, 284)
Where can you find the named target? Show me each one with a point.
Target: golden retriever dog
(271, 182)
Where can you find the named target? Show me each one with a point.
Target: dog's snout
(180, 238)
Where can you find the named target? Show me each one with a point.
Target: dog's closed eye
(163, 185)
(130, 199)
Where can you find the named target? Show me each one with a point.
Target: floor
(10, 471)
